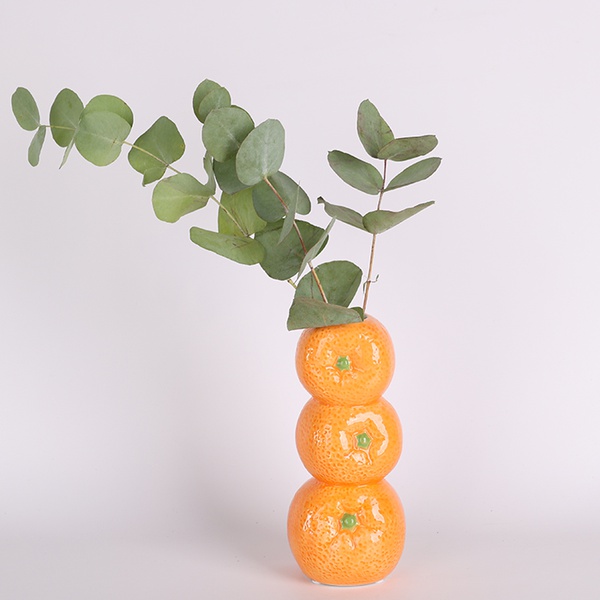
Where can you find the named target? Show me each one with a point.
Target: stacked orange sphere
(346, 524)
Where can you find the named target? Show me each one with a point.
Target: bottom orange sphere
(346, 534)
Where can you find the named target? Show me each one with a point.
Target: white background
(147, 390)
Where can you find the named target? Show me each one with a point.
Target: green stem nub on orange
(363, 440)
(349, 521)
(343, 363)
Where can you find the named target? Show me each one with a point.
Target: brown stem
(299, 234)
(372, 256)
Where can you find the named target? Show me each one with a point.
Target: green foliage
(65, 113)
(417, 172)
(306, 312)
(156, 149)
(283, 259)
(340, 280)
(33, 154)
(257, 220)
(373, 132)
(208, 96)
(355, 172)
(25, 109)
(237, 215)
(179, 195)
(224, 130)
(243, 250)
(107, 103)
(343, 214)
(313, 250)
(261, 153)
(406, 148)
(227, 177)
(272, 208)
(379, 221)
(100, 136)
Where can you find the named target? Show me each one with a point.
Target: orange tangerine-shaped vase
(346, 524)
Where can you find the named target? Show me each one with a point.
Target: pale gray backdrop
(147, 389)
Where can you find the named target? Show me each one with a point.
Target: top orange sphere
(346, 364)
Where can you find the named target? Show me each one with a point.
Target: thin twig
(372, 256)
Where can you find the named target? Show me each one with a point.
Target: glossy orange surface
(349, 444)
(346, 534)
(346, 364)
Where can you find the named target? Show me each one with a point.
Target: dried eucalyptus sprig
(258, 204)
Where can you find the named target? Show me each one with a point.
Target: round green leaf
(283, 259)
(374, 133)
(409, 147)
(227, 176)
(224, 130)
(156, 149)
(240, 207)
(246, 251)
(268, 205)
(65, 114)
(35, 147)
(25, 109)
(208, 96)
(261, 153)
(355, 172)
(107, 103)
(340, 280)
(418, 172)
(178, 195)
(379, 221)
(100, 137)
(203, 89)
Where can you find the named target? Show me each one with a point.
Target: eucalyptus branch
(240, 152)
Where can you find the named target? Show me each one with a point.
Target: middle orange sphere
(349, 444)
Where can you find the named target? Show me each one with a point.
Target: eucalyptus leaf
(204, 88)
(409, 147)
(290, 217)
(107, 103)
(374, 133)
(33, 154)
(208, 167)
(307, 312)
(224, 130)
(178, 195)
(67, 152)
(340, 280)
(246, 251)
(314, 249)
(269, 206)
(156, 149)
(25, 109)
(283, 260)
(241, 208)
(100, 136)
(343, 214)
(418, 172)
(379, 221)
(208, 97)
(355, 172)
(261, 153)
(65, 114)
(227, 177)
